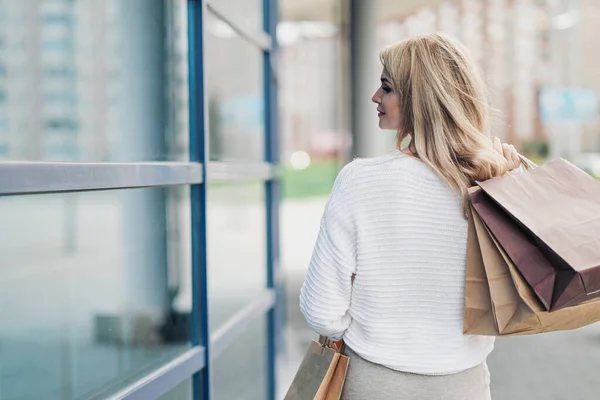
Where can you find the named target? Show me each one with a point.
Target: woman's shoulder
(384, 166)
(360, 165)
(364, 174)
(366, 162)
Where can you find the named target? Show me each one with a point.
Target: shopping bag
(557, 208)
(321, 374)
(478, 316)
(500, 302)
(522, 250)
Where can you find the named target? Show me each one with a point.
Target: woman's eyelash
(386, 89)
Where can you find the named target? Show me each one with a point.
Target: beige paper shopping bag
(557, 207)
(509, 306)
(321, 374)
(479, 317)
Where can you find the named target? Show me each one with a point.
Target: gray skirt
(366, 380)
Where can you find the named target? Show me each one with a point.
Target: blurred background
(85, 278)
(538, 59)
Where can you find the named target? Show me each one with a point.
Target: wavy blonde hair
(444, 109)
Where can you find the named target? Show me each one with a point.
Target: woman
(388, 269)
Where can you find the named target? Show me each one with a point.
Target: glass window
(248, 13)
(94, 294)
(236, 248)
(234, 78)
(184, 391)
(314, 93)
(241, 371)
(107, 65)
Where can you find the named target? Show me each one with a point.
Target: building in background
(529, 51)
(59, 58)
(60, 79)
(526, 49)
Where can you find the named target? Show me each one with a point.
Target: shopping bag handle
(527, 163)
(337, 345)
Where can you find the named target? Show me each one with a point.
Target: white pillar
(368, 140)
(142, 108)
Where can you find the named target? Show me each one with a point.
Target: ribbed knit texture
(399, 226)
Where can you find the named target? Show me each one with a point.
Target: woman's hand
(509, 152)
(332, 344)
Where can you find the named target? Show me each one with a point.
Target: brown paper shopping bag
(533, 264)
(321, 374)
(499, 301)
(557, 207)
(497, 291)
(479, 316)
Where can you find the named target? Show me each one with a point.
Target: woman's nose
(376, 99)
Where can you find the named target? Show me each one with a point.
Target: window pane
(241, 371)
(182, 392)
(314, 92)
(236, 248)
(248, 13)
(94, 289)
(235, 95)
(86, 80)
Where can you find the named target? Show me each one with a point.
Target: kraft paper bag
(509, 306)
(479, 317)
(535, 267)
(557, 207)
(493, 306)
(321, 374)
(509, 313)
(334, 390)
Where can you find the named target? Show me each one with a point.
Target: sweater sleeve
(326, 293)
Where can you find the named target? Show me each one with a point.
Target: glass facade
(239, 370)
(236, 226)
(86, 288)
(235, 95)
(184, 391)
(76, 65)
(141, 262)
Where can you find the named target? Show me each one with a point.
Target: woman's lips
(380, 113)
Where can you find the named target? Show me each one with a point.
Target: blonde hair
(444, 109)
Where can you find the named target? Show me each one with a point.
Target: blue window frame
(34, 178)
(266, 304)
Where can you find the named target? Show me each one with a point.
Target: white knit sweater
(396, 224)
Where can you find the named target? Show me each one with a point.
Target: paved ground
(556, 366)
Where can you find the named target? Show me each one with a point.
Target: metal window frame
(272, 190)
(201, 380)
(266, 304)
(18, 178)
(165, 378)
(218, 171)
(261, 39)
(22, 178)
